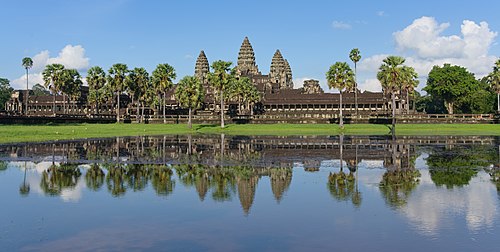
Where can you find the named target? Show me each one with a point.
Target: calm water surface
(190, 193)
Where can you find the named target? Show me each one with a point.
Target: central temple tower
(246, 60)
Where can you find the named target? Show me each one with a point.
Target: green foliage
(391, 74)
(221, 76)
(340, 76)
(137, 82)
(39, 90)
(163, 77)
(189, 92)
(3, 165)
(457, 166)
(5, 92)
(397, 185)
(71, 83)
(53, 77)
(342, 187)
(493, 78)
(27, 63)
(458, 89)
(96, 79)
(116, 77)
(355, 56)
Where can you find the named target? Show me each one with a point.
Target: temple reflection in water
(228, 167)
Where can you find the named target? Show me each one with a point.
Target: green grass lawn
(37, 133)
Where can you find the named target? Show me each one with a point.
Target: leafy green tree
(355, 57)
(27, 63)
(116, 79)
(494, 81)
(340, 76)
(221, 79)
(162, 80)
(72, 83)
(456, 166)
(190, 94)
(243, 92)
(251, 96)
(5, 92)
(391, 76)
(39, 90)
(450, 83)
(96, 79)
(410, 82)
(53, 80)
(138, 81)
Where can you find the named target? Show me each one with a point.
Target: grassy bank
(36, 133)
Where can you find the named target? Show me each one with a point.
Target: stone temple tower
(202, 69)
(280, 75)
(246, 60)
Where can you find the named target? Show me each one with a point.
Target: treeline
(147, 90)
(453, 89)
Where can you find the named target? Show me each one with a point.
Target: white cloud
(341, 25)
(430, 208)
(70, 56)
(424, 46)
(372, 85)
(380, 13)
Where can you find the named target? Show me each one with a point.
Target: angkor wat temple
(280, 100)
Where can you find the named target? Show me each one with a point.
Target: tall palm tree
(391, 77)
(355, 57)
(27, 64)
(494, 81)
(116, 78)
(72, 83)
(52, 77)
(190, 94)
(340, 76)
(162, 80)
(221, 78)
(96, 79)
(138, 81)
(410, 82)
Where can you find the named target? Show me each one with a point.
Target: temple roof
(246, 59)
(202, 68)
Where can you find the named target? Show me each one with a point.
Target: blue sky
(312, 35)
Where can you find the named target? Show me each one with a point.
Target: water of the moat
(227, 193)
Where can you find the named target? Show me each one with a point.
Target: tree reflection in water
(342, 186)
(94, 177)
(457, 165)
(56, 178)
(161, 179)
(24, 188)
(115, 179)
(400, 178)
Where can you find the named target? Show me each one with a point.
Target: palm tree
(71, 83)
(391, 76)
(190, 94)
(116, 78)
(52, 77)
(27, 64)
(96, 79)
(355, 56)
(494, 81)
(138, 81)
(162, 81)
(221, 78)
(340, 76)
(410, 82)
(240, 91)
